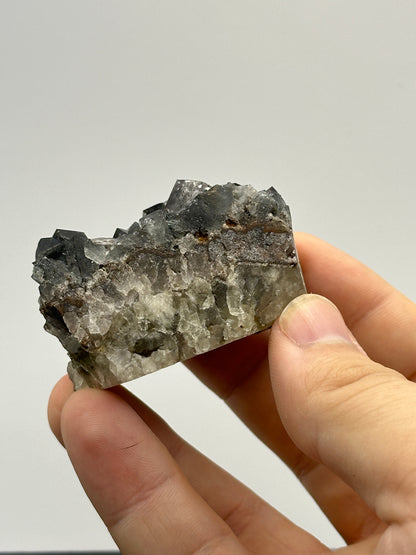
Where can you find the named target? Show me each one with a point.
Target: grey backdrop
(104, 104)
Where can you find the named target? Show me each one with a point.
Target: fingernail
(311, 319)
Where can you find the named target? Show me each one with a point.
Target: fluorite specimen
(210, 265)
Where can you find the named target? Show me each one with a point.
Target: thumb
(355, 416)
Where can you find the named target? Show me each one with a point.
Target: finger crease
(376, 304)
(218, 545)
(304, 466)
(139, 498)
(240, 516)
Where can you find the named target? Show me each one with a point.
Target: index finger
(379, 316)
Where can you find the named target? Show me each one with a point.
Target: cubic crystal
(207, 267)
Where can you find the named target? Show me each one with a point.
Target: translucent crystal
(209, 266)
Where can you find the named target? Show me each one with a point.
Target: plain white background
(104, 104)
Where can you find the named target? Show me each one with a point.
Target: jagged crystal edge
(210, 265)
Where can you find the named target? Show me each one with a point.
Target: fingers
(239, 372)
(253, 401)
(371, 307)
(353, 415)
(136, 487)
(116, 479)
(60, 394)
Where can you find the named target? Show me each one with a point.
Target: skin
(330, 389)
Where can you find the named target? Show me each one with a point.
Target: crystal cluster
(207, 267)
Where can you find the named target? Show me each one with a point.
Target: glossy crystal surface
(208, 266)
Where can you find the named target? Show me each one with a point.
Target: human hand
(343, 420)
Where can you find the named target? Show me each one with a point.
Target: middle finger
(248, 393)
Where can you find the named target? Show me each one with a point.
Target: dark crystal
(208, 266)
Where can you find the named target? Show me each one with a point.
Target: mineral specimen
(210, 265)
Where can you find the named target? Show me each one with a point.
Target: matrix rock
(207, 267)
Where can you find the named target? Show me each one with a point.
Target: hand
(343, 420)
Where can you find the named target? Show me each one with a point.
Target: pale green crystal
(209, 266)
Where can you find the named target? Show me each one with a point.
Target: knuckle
(224, 543)
(303, 466)
(241, 515)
